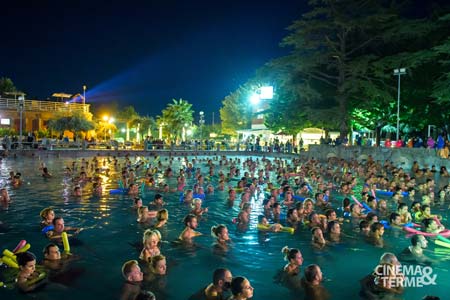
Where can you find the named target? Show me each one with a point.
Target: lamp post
(21, 103)
(201, 122)
(398, 72)
(84, 94)
(108, 120)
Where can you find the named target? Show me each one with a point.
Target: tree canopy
(175, 117)
(339, 72)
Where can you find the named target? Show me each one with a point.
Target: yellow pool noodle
(9, 254)
(9, 262)
(65, 241)
(24, 248)
(441, 243)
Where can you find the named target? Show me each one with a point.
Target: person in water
(218, 289)
(190, 223)
(385, 282)
(59, 228)
(414, 253)
(151, 240)
(133, 276)
(294, 258)
(220, 232)
(28, 278)
(241, 289)
(312, 284)
(47, 217)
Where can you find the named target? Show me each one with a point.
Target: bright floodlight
(254, 99)
(266, 92)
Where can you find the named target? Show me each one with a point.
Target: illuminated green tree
(342, 58)
(236, 113)
(75, 123)
(127, 115)
(175, 116)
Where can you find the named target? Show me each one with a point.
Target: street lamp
(21, 103)
(108, 120)
(398, 72)
(84, 94)
(201, 122)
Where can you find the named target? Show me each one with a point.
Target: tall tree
(128, 115)
(176, 115)
(335, 62)
(236, 113)
(6, 85)
(75, 123)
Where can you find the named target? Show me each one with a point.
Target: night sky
(141, 53)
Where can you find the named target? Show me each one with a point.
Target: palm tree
(141, 124)
(128, 115)
(176, 116)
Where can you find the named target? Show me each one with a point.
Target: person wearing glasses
(241, 289)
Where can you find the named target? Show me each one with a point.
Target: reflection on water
(111, 230)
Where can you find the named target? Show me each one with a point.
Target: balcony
(43, 106)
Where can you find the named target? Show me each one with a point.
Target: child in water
(151, 240)
(47, 215)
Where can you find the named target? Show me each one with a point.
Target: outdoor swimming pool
(111, 230)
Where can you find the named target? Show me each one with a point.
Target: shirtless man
(190, 222)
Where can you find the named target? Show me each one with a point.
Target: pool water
(111, 234)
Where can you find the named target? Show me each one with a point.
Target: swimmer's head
(158, 264)
(26, 259)
(188, 219)
(291, 254)
(47, 212)
(262, 219)
(162, 215)
(241, 286)
(420, 240)
(132, 272)
(51, 252)
(151, 234)
(222, 278)
(220, 231)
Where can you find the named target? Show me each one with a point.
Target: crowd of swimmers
(302, 191)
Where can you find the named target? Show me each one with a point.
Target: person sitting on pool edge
(133, 276)
(219, 289)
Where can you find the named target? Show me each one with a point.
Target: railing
(36, 105)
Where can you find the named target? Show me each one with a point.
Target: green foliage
(6, 85)
(43, 133)
(74, 123)
(236, 113)
(7, 131)
(175, 116)
(340, 68)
